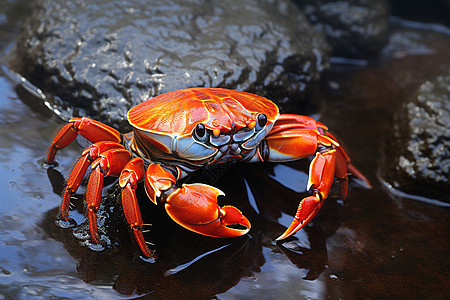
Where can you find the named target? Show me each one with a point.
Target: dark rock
(429, 11)
(354, 28)
(418, 151)
(99, 58)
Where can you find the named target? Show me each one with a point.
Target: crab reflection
(191, 265)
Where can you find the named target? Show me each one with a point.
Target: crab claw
(307, 209)
(194, 206)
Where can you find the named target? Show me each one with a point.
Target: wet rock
(418, 151)
(99, 58)
(353, 28)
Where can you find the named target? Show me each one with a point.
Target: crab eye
(200, 132)
(261, 121)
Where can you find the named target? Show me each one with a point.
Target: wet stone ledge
(418, 151)
(100, 58)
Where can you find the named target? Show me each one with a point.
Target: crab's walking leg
(109, 163)
(194, 206)
(321, 175)
(79, 170)
(294, 137)
(131, 175)
(92, 130)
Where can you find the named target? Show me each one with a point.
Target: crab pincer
(194, 206)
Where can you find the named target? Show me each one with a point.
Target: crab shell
(230, 119)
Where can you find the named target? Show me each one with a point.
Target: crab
(177, 133)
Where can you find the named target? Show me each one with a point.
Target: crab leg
(194, 206)
(321, 175)
(79, 170)
(92, 130)
(289, 122)
(294, 137)
(131, 175)
(109, 163)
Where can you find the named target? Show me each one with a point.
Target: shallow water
(374, 245)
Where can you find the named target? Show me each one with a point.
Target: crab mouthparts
(232, 149)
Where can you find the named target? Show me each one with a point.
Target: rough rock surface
(99, 58)
(354, 28)
(418, 152)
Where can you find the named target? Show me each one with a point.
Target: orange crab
(179, 132)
